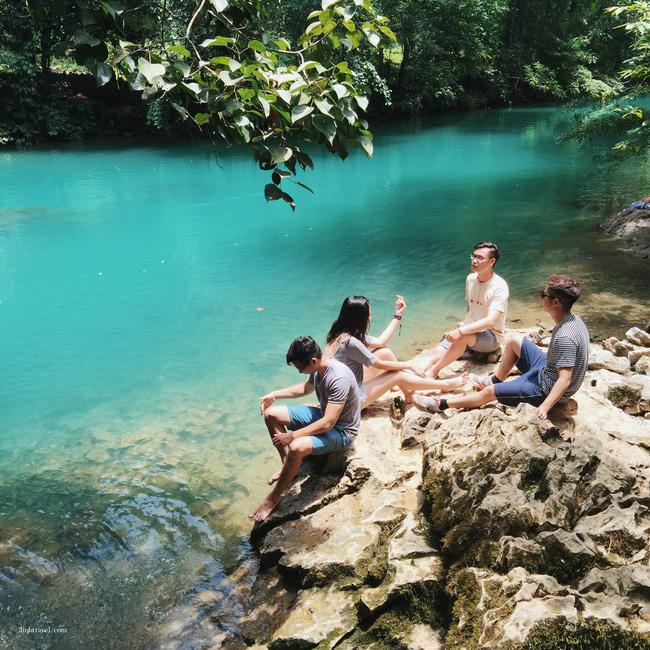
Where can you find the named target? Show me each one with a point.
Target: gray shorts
(486, 341)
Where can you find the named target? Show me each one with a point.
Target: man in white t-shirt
(487, 303)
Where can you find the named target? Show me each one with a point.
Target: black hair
(352, 320)
(495, 251)
(568, 288)
(303, 350)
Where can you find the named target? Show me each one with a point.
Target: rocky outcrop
(631, 228)
(476, 529)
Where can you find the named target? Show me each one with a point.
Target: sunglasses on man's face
(543, 295)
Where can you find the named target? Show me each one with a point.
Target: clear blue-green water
(147, 299)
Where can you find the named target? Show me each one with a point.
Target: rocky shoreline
(470, 529)
(631, 228)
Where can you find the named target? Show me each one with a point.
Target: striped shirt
(569, 348)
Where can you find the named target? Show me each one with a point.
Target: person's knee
(300, 447)
(276, 414)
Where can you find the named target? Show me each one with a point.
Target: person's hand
(415, 370)
(266, 401)
(282, 439)
(541, 412)
(400, 305)
(454, 335)
(461, 323)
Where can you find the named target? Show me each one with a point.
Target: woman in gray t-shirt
(348, 342)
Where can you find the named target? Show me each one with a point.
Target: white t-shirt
(482, 297)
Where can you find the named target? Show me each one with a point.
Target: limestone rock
(319, 616)
(603, 359)
(422, 637)
(638, 336)
(643, 365)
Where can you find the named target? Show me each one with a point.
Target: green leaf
(257, 46)
(289, 200)
(302, 185)
(304, 160)
(326, 125)
(285, 95)
(150, 70)
(366, 145)
(102, 73)
(282, 44)
(272, 192)
(327, 3)
(202, 118)
(219, 5)
(344, 67)
(388, 32)
(179, 49)
(218, 41)
(346, 12)
(280, 154)
(299, 112)
(228, 78)
(362, 102)
(341, 91)
(372, 36)
(82, 37)
(265, 105)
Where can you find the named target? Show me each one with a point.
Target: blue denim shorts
(524, 388)
(323, 443)
(486, 341)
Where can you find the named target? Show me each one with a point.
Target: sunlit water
(147, 299)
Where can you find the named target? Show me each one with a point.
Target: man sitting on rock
(546, 379)
(487, 302)
(312, 430)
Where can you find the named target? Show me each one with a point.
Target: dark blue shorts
(524, 388)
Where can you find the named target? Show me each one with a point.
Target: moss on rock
(592, 634)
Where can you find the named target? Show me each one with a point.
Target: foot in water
(275, 477)
(265, 508)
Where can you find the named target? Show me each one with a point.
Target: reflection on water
(134, 349)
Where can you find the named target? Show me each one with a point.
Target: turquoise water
(147, 299)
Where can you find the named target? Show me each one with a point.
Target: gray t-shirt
(569, 348)
(355, 355)
(338, 386)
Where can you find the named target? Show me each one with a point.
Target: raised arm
(382, 340)
(297, 390)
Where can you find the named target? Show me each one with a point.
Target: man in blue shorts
(546, 379)
(297, 431)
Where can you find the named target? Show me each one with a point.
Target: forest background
(274, 75)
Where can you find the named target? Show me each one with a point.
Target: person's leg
(280, 418)
(407, 382)
(296, 451)
(452, 352)
(473, 400)
(277, 419)
(385, 354)
(510, 357)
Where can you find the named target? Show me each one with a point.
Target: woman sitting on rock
(348, 342)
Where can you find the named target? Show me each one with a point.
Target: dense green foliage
(620, 112)
(276, 73)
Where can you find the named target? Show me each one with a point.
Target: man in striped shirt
(546, 379)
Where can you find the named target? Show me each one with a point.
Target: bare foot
(458, 382)
(275, 477)
(265, 508)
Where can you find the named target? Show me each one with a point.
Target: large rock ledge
(632, 229)
(477, 529)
